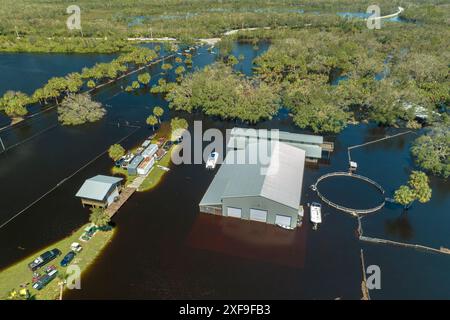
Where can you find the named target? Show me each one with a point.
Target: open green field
(18, 274)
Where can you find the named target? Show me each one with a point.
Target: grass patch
(124, 173)
(17, 274)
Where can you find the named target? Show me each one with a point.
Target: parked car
(67, 259)
(43, 259)
(76, 247)
(119, 162)
(45, 279)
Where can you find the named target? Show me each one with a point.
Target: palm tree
(62, 282)
(99, 217)
(152, 121)
(158, 112)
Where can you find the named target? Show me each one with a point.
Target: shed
(100, 191)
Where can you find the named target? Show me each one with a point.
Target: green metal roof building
(311, 144)
(267, 189)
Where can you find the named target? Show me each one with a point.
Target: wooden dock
(124, 196)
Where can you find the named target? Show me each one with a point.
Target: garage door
(258, 215)
(283, 220)
(234, 212)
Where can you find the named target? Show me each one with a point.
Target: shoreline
(18, 273)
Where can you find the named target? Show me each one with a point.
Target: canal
(164, 248)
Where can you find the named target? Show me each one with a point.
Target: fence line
(62, 182)
(53, 106)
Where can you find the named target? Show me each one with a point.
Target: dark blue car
(67, 259)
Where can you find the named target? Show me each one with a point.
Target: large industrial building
(313, 145)
(266, 190)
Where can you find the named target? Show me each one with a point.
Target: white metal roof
(280, 179)
(96, 188)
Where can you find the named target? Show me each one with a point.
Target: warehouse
(243, 191)
(312, 145)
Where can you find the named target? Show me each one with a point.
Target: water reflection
(400, 227)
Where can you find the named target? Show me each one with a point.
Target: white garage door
(234, 212)
(258, 215)
(283, 220)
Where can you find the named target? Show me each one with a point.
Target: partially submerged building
(100, 191)
(261, 191)
(313, 145)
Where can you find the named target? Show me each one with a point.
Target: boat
(315, 214)
(212, 160)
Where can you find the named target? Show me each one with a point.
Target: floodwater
(165, 248)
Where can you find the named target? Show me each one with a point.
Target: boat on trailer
(315, 214)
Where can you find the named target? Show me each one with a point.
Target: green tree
(231, 60)
(144, 78)
(91, 84)
(77, 109)
(14, 104)
(116, 151)
(431, 151)
(218, 91)
(152, 121)
(180, 70)
(166, 66)
(135, 85)
(418, 188)
(314, 105)
(73, 82)
(178, 123)
(419, 182)
(99, 217)
(158, 112)
(404, 196)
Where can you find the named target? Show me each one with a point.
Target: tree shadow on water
(399, 227)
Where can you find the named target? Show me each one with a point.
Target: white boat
(315, 214)
(212, 160)
(285, 227)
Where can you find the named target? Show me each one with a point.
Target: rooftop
(279, 179)
(96, 188)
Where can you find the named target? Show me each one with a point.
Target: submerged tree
(432, 151)
(218, 91)
(78, 109)
(418, 188)
(152, 121)
(144, 78)
(158, 112)
(14, 104)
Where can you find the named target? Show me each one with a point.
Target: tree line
(14, 103)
